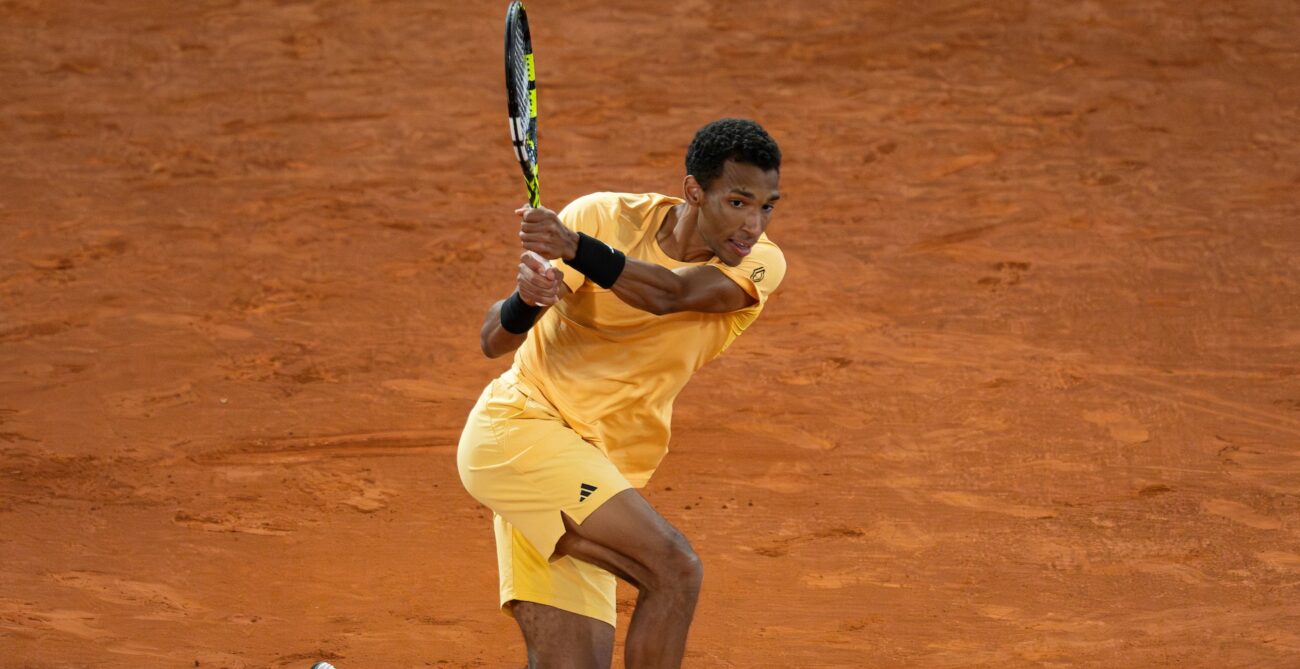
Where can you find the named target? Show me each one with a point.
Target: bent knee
(692, 570)
(680, 567)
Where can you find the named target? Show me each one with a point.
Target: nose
(754, 224)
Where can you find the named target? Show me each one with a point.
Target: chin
(726, 256)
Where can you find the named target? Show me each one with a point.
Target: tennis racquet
(521, 94)
(521, 97)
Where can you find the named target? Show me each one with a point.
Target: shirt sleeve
(584, 215)
(759, 273)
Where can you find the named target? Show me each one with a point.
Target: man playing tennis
(644, 290)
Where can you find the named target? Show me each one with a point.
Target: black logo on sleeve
(757, 275)
(587, 489)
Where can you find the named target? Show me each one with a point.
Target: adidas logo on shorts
(587, 489)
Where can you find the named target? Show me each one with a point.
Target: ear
(692, 191)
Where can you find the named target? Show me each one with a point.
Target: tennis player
(643, 291)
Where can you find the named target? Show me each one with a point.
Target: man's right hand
(540, 230)
(539, 283)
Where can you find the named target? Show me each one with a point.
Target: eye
(737, 203)
(769, 207)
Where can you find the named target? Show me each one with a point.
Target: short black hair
(730, 138)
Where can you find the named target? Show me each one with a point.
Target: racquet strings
(522, 98)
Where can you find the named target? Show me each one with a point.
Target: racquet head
(521, 94)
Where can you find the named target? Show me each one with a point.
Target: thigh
(563, 583)
(559, 639)
(627, 537)
(519, 458)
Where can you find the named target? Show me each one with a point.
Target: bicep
(707, 289)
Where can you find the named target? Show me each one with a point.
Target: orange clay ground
(1029, 397)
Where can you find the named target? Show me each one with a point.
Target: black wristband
(517, 316)
(599, 261)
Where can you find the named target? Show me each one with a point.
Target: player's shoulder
(597, 199)
(764, 266)
(591, 213)
(767, 252)
(612, 202)
(609, 215)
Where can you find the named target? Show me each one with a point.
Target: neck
(679, 235)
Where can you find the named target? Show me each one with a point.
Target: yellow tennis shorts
(520, 459)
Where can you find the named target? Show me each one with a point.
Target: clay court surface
(1029, 397)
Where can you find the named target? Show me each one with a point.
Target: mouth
(741, 248)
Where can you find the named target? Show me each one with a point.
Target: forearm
(494, 339)
(644, 285)
(650, 287)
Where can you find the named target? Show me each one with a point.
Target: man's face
(737, 208)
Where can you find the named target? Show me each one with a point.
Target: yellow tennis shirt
(612, 370)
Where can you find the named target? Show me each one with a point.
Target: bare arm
(539, 285)
(644, 285)
(660, 290)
